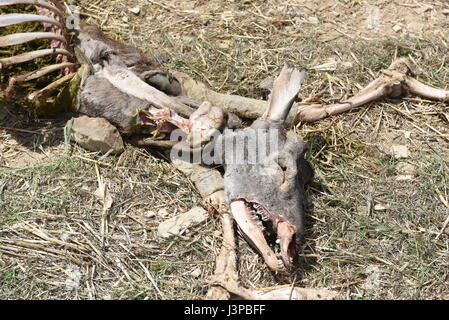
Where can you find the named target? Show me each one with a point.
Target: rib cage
(35, 49)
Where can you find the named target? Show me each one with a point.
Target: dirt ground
(375, 224)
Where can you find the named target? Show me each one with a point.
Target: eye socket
(283, 172)
(288, 169)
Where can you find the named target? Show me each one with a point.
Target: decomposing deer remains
(265, 168)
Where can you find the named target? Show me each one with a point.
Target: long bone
(128, 82)
(16, 18)
(21, 38)
(28, 56)
(393, 82)
(39, 3)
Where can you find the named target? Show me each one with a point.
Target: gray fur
(277, 181)
(99, 98)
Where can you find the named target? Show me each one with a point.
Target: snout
(274, 238)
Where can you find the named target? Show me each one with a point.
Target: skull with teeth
(265, 173)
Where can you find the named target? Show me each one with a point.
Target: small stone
(346, 65)
(64, 236)
(191, 12)
(400, 152)
(426, 8)
(178, 225)
(406, 177)
(446, 11)
(151, 214)
(373, 280)
(406, 169)
(314, 20)
(163, 213)
(135, 10)
(97, 134)
(330, 65)
(225, 44)
(397, 28)
(74, 277)
(196, 273)
(379, 207)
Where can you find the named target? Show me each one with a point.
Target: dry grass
(370, 234)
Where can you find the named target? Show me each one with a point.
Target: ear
(295, 145)
(285, 91)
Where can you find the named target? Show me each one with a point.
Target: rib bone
(20, 38)
(16, 18)
(25, 57)
(35, 75)
(39, 3)
(45, 92)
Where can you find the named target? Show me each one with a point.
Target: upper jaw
(255, 221)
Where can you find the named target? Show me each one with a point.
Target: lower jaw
(254, 234)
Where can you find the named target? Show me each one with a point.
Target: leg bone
(423, 90)
(394, 81)
(40, 3)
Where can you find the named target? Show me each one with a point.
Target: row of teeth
(258, 221)
(260, 216)
(259, 213)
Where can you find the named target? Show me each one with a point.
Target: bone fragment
(16, 18)
(20, 38)
(39, 3)
(25, 57)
